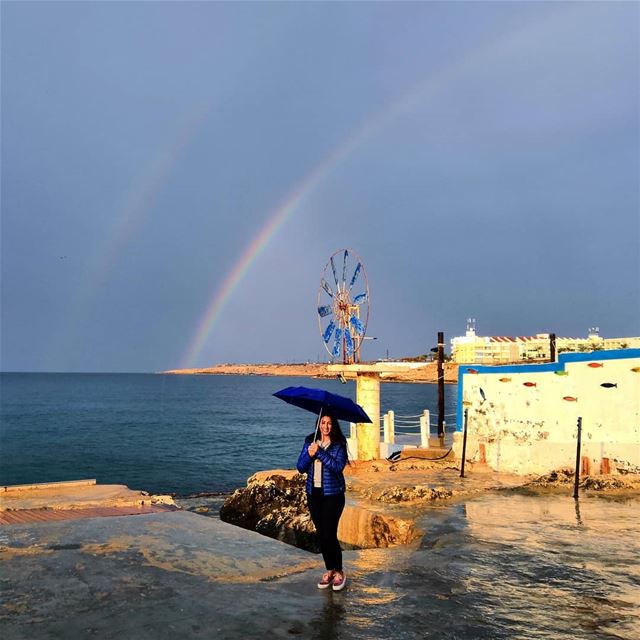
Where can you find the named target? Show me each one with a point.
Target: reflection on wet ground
(499, 566)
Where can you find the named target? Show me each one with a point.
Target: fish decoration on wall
(529, 384)
(595, 365)
(505, 380)
(561, 373)
(609, 385)
(570, 399)
(472, 371)
(636, 369)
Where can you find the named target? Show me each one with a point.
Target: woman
(323, 461)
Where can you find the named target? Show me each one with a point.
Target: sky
(176, 175)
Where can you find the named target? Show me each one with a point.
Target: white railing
(417, 427)
(399, 432)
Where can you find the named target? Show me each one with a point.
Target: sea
(177, 434)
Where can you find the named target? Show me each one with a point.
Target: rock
(566, 476)
(274, 503)
(281, 477)
(205, 504)
(554, 478)
(602, 483)
(401, 493)
(363, 529)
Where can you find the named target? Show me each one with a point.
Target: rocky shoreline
(384, 500)
(426, 373)
(274, 504)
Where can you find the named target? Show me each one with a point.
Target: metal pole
(552, 347)
(440, 384)
(577, 476)
(464, 442)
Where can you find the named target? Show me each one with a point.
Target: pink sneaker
(326, 580)
(339, 580)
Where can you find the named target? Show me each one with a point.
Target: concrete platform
(28, 516)
(164, 575)
(78, 494)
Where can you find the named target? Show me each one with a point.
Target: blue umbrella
(319, 401)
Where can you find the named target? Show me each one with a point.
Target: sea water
(166, 433)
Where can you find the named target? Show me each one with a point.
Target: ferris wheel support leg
(368, 397)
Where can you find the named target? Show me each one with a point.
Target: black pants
(325, 513)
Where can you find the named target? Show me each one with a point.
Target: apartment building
(474, 349)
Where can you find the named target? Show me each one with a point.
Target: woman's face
(325, 426)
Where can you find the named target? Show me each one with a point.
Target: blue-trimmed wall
(539, 411)
(563, 359)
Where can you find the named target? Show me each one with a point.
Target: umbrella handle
(315, 433)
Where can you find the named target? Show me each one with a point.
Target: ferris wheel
(343, 305)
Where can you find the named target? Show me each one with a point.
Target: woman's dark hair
(336, 434)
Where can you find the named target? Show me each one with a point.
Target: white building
(474, 349)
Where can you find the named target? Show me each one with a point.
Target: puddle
(504, 566)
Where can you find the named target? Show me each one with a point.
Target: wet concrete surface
(489, 565)
(164, 575)
(29, 516)
(69, 495)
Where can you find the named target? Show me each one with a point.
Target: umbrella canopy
(319, 400)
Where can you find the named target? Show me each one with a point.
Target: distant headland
(420, 372)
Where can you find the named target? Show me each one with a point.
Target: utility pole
(552, 347)
(440, 384)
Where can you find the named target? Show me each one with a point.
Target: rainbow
(282, 213)
(425, 89)
(139, 201)
(128, 217)
(251, 253)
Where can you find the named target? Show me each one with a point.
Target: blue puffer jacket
(333, 461)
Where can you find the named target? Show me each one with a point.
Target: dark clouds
(150, 143)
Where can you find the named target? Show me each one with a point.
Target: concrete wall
(524, 429)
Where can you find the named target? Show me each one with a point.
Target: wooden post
(552, 347)
(440, 384)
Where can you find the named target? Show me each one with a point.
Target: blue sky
(493, 173)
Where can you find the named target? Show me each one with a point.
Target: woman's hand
(313, 449)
